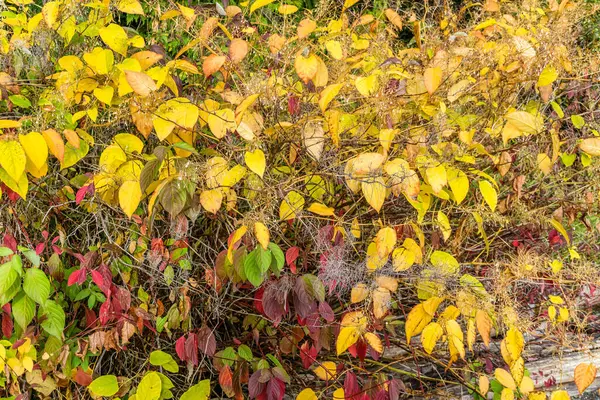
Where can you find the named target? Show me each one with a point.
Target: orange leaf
(584, 376)
(212, 64)
(238, 50)
(141, 83)
(55, 143)
(306, 27)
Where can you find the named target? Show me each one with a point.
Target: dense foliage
(351, 201)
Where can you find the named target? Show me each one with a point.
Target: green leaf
(8, 276)
(5, 251)
(185, 146)
(444, 262)
(31, 255)
(54, 322)
(150, 387)
(37, 285)
(578, 121)
(278, 260)
(106, 385)
(23, 310)
(228, 356)
(199, 391)
(20, 101)
(315, 287)
(245, 352)
(252, 269)
(162, 359)
(263, 259)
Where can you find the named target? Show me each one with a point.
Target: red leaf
(7, 325)
(180, 348)
(10, 242)
(293, 105)
(326, 311)
(191, 348)
(82, 378)
(206, 341)
(255, 386)
(351, 387)
(226, 381)
(308, 354)
(291, 255)
(258, 300)
(77, 277)
(275, 389)
(80, 195)
(90, 317)
(105, 311)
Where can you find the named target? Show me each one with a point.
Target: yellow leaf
(385, 241)
(306, 67)
(130, 195)
(35, 148)
(326, 371)
(517, 370)
(367, 85)
(8, 123)
(374, 191)
(321, 209)
(458, 89)
(526, 385)
(455, 339)
(489, 194)
(50, 13)
(381, 302)
(141, 83)
(484, 385)
(307, 394)
(590, 145)
(211, 200)
(484, 326)
(505, 378)
(334, 48)
(402, 259)
(12, 158)
(306, 27)
(431, 334)
(433, 79)
(525, 122)
(347, 337)
(548, 76)
(104, 94)
(394, 18)
(514, 343)
(262, 234)
(437, 178)
(221, 121)
(290, 205)
(234, 238)
(584, 374)
(286, 9)
(374, 342)
(258, 4)
(444, 224)
(328, 94)
(359, 292)
(537, 396)
(178, 112)
(20, 187)
(366, 163)
(255, 160)
(507, 394)
(115, 37)
(355, 228)
(418, 318)
(339, 394)
(348, 4)
(130, 7)
(560, 395)
(544, 163)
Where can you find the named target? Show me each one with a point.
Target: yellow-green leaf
(291, 205)
(115, 37)
(12, 158)
(548, 76)
(489, 194)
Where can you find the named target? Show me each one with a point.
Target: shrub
(259, 195)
